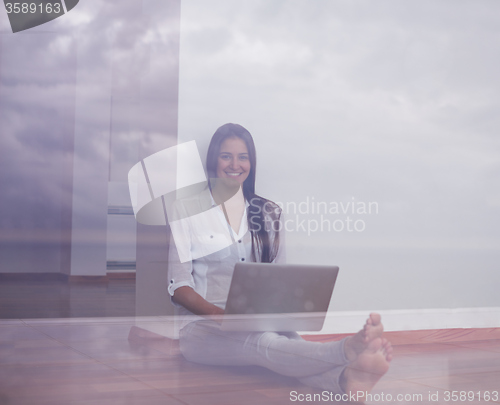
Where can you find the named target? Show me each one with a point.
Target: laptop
(278, 298)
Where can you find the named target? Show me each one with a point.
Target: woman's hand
(194, 302)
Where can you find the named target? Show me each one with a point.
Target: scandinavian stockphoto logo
(31, 13)
(171, 187)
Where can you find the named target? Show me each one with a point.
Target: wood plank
(103, 370)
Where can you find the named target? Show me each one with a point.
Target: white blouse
(211, 258)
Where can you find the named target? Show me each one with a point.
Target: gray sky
(389, 102)
(386, 101)
(382, 101)
(58, 78)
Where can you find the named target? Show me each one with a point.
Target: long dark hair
(259, 206)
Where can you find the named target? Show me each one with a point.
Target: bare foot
(356, 344)
(371, 364)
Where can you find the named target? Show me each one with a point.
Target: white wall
(357, 101)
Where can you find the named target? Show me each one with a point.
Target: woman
(200, 285)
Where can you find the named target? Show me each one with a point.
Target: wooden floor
(117, 361)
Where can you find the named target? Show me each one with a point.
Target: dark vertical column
(158, 100)
(37, 98)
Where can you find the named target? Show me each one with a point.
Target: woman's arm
(194, 302)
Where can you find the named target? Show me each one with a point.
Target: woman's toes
(375, 318)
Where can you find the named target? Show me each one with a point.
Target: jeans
(315, 364)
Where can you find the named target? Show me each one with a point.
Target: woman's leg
(320, 365)
(287, 353)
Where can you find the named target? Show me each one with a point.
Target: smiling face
(233, 161)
